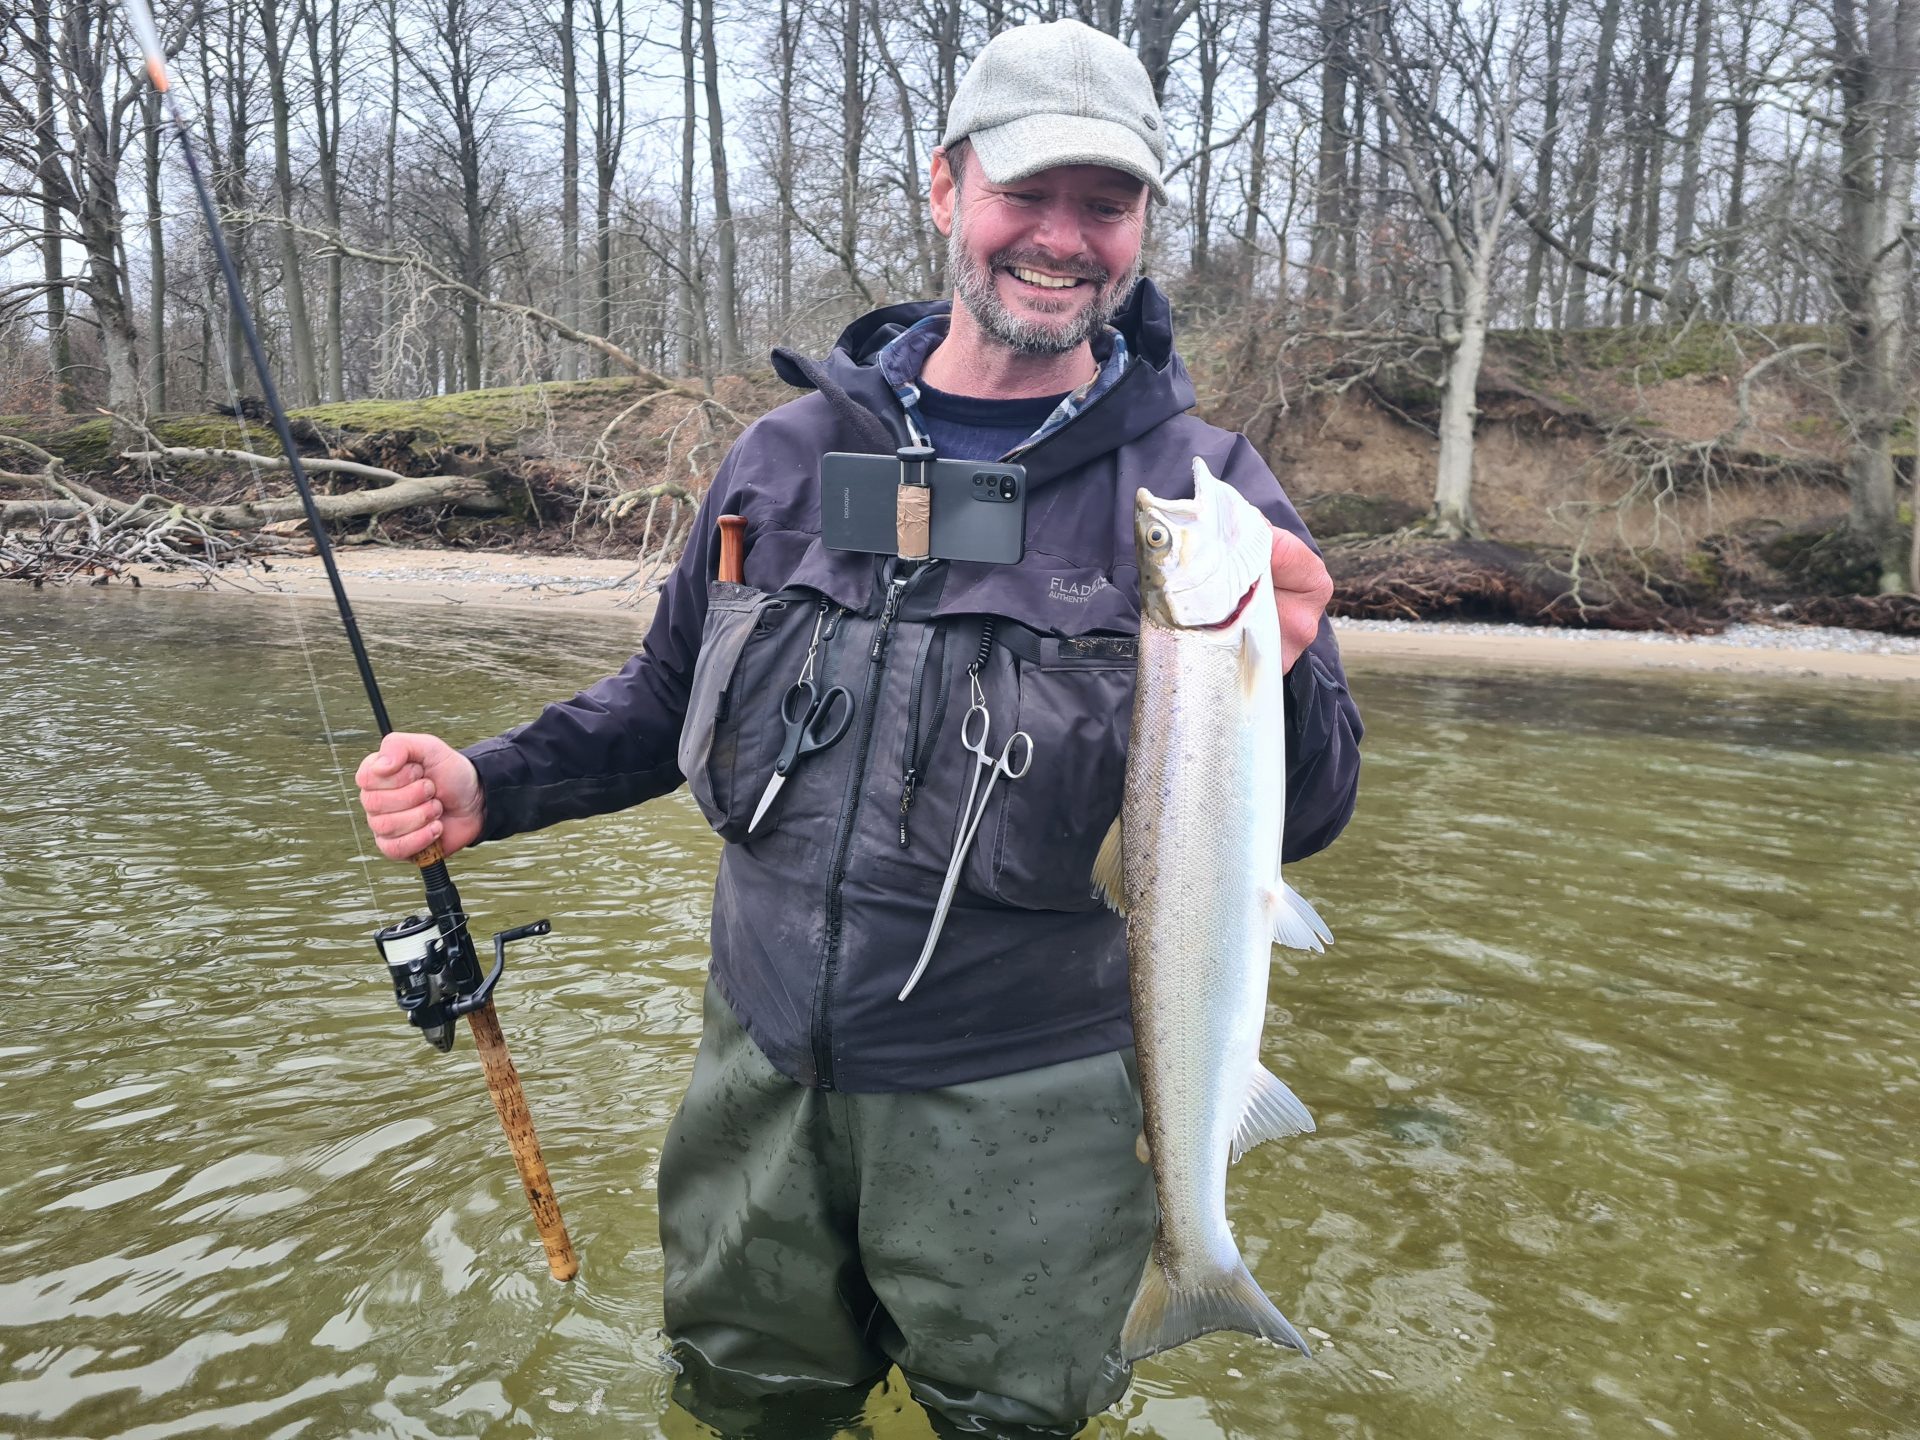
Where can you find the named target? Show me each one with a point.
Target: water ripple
(1616, 1064)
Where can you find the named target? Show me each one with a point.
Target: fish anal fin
(1272, 1111)
(1164, 1315)
(1109, 870)
(1296, 924)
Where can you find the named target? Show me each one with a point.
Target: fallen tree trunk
(400, 492)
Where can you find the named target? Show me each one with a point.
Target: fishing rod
(430, 958)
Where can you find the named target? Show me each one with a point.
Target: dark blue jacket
(818, 918)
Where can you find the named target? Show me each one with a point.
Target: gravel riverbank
(1746, 637)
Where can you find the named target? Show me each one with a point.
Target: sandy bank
(570, 585)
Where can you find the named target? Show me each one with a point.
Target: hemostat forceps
(1013, 761)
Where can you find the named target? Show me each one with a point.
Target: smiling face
(1040, 264)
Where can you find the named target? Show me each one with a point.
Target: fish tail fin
(1164, 1316)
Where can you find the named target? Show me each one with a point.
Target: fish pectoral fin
(1109, 871)
(1249, 663)
(1273, 1111)
(1295, 923)
(1163, 1316)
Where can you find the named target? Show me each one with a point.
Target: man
(947, 1183)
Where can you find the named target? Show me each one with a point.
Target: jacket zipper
(897, 587)
(915, 757)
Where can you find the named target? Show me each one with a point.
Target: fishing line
(431, 959)
(291, 603)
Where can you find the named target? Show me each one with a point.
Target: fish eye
(1157, 536)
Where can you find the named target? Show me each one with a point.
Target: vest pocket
(750, 650)
(1037, 843)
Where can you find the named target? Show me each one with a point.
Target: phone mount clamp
(913, 503)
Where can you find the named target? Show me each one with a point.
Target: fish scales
(1198, 863)
(1199, 999)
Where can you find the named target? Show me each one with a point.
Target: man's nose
(1058, 230)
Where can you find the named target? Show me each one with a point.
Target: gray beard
(973, 285)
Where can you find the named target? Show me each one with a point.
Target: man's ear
(943, 193)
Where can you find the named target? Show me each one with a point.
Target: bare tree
(156, 257)
(1553, 16)
(1330, 219)
(1433, 61)
(1585, 194)
(1876, 50)
(1680, 290)
(457, 60)
(612, 57)
(77, 43)
(274, 35)
(46, 139)
(326, 46)
(725, 244)
(567, 46)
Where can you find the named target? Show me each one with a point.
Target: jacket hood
(1155, 387)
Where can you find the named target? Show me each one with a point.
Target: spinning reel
(435, 970)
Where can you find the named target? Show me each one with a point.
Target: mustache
(1031, 260)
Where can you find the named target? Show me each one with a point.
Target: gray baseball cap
(1059, 94)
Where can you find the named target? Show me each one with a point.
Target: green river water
(1616, 1062)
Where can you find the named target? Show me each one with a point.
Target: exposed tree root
(1405, 579)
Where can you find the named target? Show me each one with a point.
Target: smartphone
(979, 509)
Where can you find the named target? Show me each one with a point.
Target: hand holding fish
(417, 789)
(1302, 589)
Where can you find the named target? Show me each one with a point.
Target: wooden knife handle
(733, 547)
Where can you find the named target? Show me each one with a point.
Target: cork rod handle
(510, 1103)
(503, 1083)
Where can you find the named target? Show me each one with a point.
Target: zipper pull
(907, 787)
(886, 620)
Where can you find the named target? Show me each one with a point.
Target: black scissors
(814, 722)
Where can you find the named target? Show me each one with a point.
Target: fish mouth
(1238, 610)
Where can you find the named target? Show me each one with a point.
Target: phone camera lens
(1006, 488)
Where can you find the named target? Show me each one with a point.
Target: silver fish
(1194, 864)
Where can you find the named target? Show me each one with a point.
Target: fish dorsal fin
(1295, 923)
(1109, 871)
(1272, 1111)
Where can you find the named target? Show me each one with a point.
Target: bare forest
(1546, 282)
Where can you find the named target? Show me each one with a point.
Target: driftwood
(469, 492)
(69, 530)
(400, 492)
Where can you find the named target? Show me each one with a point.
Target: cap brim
(1033, 143)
